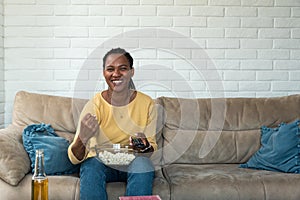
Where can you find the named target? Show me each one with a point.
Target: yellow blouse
(117, 123)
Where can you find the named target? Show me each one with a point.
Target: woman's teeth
(117, 82)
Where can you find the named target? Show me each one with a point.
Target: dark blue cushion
(42, 136)
(280, 149)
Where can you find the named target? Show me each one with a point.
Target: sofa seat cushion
(228, 181)
(66, 187)
(60, 188)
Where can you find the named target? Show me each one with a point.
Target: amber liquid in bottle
(39, 183)
(39, 189)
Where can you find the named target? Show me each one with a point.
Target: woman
(119, 114)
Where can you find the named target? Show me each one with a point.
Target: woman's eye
(124, 69)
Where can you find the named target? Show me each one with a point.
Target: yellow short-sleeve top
(118, 123)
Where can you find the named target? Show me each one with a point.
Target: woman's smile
(117, 82)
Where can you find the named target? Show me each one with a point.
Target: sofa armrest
(14, 160)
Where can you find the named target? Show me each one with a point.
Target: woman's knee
(92, 165)
(141, 164)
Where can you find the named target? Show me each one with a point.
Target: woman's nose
(116, 72)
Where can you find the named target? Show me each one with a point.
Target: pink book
(152, 197)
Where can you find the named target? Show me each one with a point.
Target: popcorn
(118, 158)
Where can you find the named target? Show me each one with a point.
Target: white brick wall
(2, 99)
(187, 48)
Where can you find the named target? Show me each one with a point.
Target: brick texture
(2, 89)
(186, 48)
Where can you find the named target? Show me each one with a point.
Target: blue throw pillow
(280, 149)
(42, 136)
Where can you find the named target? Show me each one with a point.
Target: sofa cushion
(61, 112)
(237, 119)
(231, 114)
(200, 147)
(65, 187)
(42, 136)
(280, 149)
(228, 181)
(14, 162)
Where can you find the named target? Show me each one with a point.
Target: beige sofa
(201, 144)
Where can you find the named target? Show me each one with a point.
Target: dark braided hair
(119, 51)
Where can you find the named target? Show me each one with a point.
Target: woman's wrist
(83, 140)
(78, 149)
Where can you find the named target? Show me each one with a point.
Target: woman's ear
(132, 71)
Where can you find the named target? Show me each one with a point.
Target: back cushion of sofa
(220, 130)
(61, 112)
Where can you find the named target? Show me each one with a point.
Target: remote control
(137, 142)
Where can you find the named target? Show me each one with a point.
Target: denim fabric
(94, 175)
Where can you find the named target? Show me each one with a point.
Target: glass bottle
(39, 183)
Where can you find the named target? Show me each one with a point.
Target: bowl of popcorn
(115, 155)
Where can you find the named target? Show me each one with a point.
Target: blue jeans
(94, 175)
